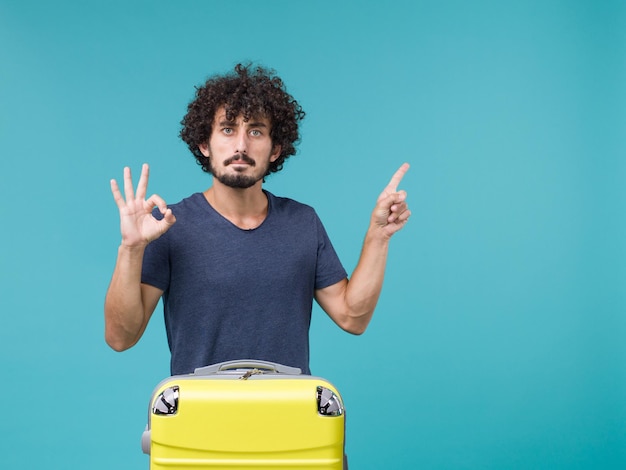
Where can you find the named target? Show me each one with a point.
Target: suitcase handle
(247, 364)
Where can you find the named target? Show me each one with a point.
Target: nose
(241, 145)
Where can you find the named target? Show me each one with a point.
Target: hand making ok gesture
(391, 211)
(137, 224)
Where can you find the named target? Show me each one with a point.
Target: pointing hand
(391, 211)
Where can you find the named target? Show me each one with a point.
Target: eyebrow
(226, 122)
(256, 124)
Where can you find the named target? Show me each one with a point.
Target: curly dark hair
(247, 92)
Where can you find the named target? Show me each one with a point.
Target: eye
(227, 130)
(255, 133)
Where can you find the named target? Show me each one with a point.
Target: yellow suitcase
(244, 415)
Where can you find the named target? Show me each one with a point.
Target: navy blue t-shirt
(231, 293)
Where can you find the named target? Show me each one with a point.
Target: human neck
(245, 208)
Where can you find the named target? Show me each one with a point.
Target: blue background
(499, 340)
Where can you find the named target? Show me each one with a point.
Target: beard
(238, 180)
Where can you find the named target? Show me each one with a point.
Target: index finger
(397, 177)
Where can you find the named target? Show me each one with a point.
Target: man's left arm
(350, 303)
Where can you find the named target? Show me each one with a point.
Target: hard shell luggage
(244, 415)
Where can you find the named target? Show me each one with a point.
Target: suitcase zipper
(250, 373)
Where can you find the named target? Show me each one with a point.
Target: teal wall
(499, 341)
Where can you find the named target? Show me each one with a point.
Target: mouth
(239, 160)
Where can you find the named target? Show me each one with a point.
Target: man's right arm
(129, 303)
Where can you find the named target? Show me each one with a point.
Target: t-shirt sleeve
(329, 269)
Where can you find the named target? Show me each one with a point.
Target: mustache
(240, 157)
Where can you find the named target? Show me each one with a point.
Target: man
(237, 267)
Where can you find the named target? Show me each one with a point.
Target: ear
(275, 153)
(204, 149)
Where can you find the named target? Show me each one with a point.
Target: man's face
(239, 151)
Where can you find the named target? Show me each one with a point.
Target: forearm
(365, 285)
(351, 303)
(124, 308)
